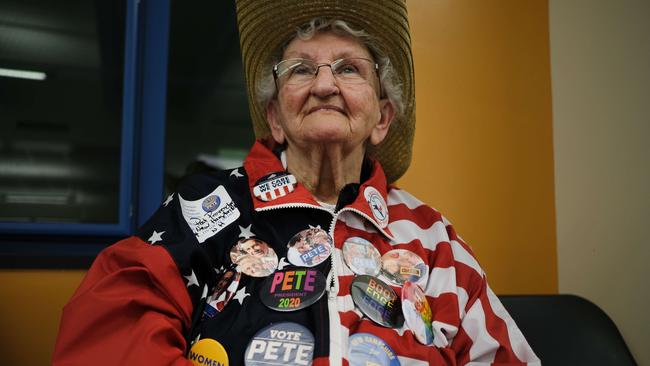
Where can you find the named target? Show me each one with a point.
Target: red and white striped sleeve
(487, 335)
(468, 318)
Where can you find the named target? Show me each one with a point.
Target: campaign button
(274, 186)
(377, 205)
(377, 301)
(254, 257)
(281, 343)
(208, 352)
(290, 290)
(309, 247)
(366, 349)
(401, 265)
(361, 256)
(417, 312)
(222, 293)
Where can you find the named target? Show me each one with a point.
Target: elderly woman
(331, 90)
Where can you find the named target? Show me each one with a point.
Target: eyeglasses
(300, 71)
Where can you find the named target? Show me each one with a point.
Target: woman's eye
(348, 69)
(301, 69)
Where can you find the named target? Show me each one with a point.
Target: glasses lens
(353, 70)
(296, 71)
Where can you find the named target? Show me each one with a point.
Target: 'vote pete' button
(366, 349)
(291, 290)
(282, 343)
(208, 352)
(417, 312)
(377, 301)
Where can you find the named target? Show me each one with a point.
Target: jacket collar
(370, 200)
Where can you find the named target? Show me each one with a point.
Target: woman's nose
(324, 83)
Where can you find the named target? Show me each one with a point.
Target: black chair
(568, 330)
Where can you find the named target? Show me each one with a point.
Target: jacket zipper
(332, 279)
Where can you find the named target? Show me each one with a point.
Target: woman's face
(325, 110)
(253, 247)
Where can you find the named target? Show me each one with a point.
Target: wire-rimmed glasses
(301, 71)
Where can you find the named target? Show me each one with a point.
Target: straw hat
(266, 25)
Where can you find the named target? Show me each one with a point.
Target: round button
(281, 344)
(309, 247)
(377, 301)
(274, 185)
(417, 313)
(254, 257)
(367, 349)
(290, 290)
(361, 256)
(208, 352)
(401, 265)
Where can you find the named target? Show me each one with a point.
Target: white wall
(600, 68)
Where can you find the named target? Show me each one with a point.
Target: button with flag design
(222, 293)
(275, 185)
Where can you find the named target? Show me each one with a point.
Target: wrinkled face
(326, 111)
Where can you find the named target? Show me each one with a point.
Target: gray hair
(390, 84)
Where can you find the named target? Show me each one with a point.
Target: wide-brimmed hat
(267, 25)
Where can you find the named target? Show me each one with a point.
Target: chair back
(568, 330)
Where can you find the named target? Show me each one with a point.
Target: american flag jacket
(143, 301)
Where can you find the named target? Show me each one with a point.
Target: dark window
(61, 128)
(82, 144)
(208, 121)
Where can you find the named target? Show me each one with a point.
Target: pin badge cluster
(309, 247)
(284, 343)
(254, 257)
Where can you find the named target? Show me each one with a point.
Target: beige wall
(600, 58)
(483, 151)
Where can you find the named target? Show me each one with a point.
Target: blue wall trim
(154, 18)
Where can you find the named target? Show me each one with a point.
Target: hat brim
(266, 25)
